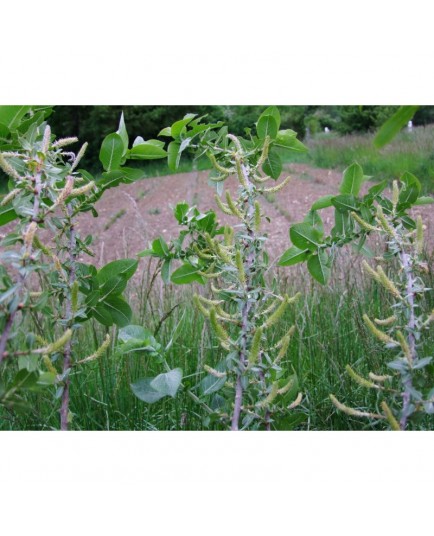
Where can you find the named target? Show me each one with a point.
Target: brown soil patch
(130, 216)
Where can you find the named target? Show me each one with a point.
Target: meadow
(330, 338)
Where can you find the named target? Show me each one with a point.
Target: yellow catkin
(255, 348)
(429, 319)
(202, 254)
(370, 271)
(218, 166)
(296, 402)
(419, 235)
(8, 169)
(236, 142)
(222, 253)
(395, 194)
(65, 193)
(240, 172)
(257, 217)
(209, 275)
(363, 224)
(240, 267)
(271, 396)
(264, 152)
(210, 242)
(83, 189)
(222, 206)
(383, 222)
(217, 327)
(232, 206)
(351, 411)
(404, 346)
(390, 417)
(214, 372)
(200, 306)
(359, 379)
(380, 335)
(49, 365)
(79, 156)
(98, 353)
(385, 321)
(39, 245)
(274, 317)
(56, 345)
(11, 195)
(289, 334)
(377, 378)
(387, 283)
(272, 306)
(260, 180)
(29, 235)
(63, 142)
(228, 236)
(283, 390)
(276, 188)
(46, 140)
(207, 301)
(283, 345)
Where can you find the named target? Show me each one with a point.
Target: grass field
(330, 334)
(409, 151)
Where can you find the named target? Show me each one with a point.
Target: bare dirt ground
(130, 216)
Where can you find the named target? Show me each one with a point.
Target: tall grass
(409, 151)
(330, 334)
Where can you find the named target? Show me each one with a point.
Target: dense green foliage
(93, 122)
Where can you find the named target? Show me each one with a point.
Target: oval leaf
(111, 152)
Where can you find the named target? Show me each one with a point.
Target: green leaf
(266, 126)
(352, 180)
(393, 125)
(410, 189)
(274, 112)
(377, 188)
(160, 248)
(292, 256)
(211, 384)
(180, 212)
(344, 223)
(323, 202)
(119, 310)
(178, 126)
(146, 151)
(124, 267)
(11, 115)
(314, 220)
(133, 332)
(113, 287)
(25, 379)
(166, 132)
(166, 270)
(173, 155)
(287, 139)
(424, 200)
(186, 274)
(111, 152)
(273, 164)
(345, 203)
(319, 266)
(304, 236)
(7, 214)
(150, 390)
(168, 383)
(122, 131)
